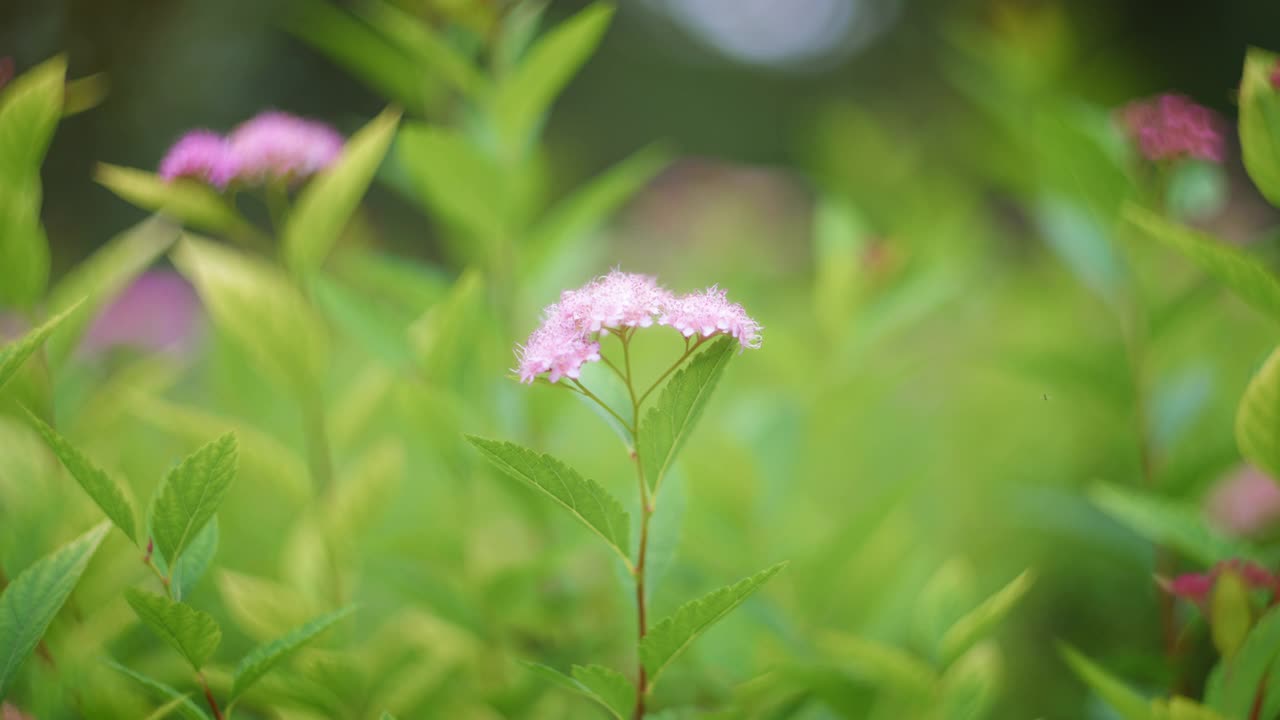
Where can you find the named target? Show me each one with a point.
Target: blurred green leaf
(363, 491)
(1258, 418)
(99, 486)
(30, 107)
(193, 633)
(427, 50)
(943, 600)
(259, 309)
(263, 658)
(439, 338)
(1197, 189)
(190, 202)
(668, 423)
(263, 609)
(1260, 122)
(522, 98)
(13, 355)
(1168, 522)
(455, 179)
(328, 201)
(1230, 613)
(186, 707)
(975, 625)
(1125, 701)
(615, 691)
(195, 561)
(519, 27)
(673, 635)
(1250, 665)
(840, 237)
(1237, 270)
(191, 493)
(591, 504)
(881, 664)
(370, 324)
(970, 687)
(99, 278)
(33, 599)
(85, 93)
(24, 250)
(1083, 243)
(1180, 708)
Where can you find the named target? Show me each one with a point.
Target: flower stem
(582, 390)
(689, 350)
(646, 512)
(208, 696)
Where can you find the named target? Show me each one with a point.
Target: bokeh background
(948, 366)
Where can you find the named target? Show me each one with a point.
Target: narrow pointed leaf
(185, 706)
(591, 504)
(1260, 122)
(1236, 269)
(975, 625)
(329, 200)
(578, 687)
(430, 51)
(1166, 522)
(1250, 665)
(187, 201)
(1258, 418)
(1114, 692)
(33, 599)
(669, 422)
(13, 355)
(30, 107)
(195, 560)
(609, 686)
(264, 657)
(104, 491)
(454, 179)
(193, 633)
(523, 97)
(673, 635)
(879, 663)
(191, 494)
(971, 685)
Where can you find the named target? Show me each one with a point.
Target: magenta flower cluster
(1197, 587)
(1172, 127)
(272, 146)
(568, 337)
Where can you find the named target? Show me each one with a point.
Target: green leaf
(104, 491)
(600, 679)
(437, 338)
(264, 657)
(363, 491)
(24, 249)
(455, 179)
(190, 202)
(195, 561)
(13, 355)
(609, 686)
(1125, 701)
(522, 98)
(880, 664)
(187, 708)
(947, 596)
(98, 279)
(1260, 123)
(1230, 613)
(1244, 274)
(193, 633)
(668, 423)
(190, 495)
(33, 599)
(1258, 418)
(329, 200)
(975, 625)
(1180, 708)
(971, 686)
(673, 635)
(257, 306)
(429, 52)
(1246, 671)
(1170, 523)
(30, 107)
(591, 504)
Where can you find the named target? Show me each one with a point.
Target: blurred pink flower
(277, 145)
(6, 70)
(1197, 587)
(1244, 503)
(158, 312)
(1171, 127)
(710, 313)
(11, 712)
(1275, 76)
(202, 155)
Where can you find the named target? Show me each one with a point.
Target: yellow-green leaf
(193, 633)
(1260, 122)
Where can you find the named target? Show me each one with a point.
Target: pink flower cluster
(567, 338)
(1170, 127)
(1197, 587)
(271, 146)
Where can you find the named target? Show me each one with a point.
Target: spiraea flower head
(201, 155)
(619, 302)
(709, 313)
(277, 145)
(1173, 127)
(1198, 587)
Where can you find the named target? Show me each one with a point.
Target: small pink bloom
(201, 155)
(1192, 586)
(616, 300)
(559, 348)
(1171, 127)
(710, 313)
(277, 145)
(1244, 503)
(158, 312)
